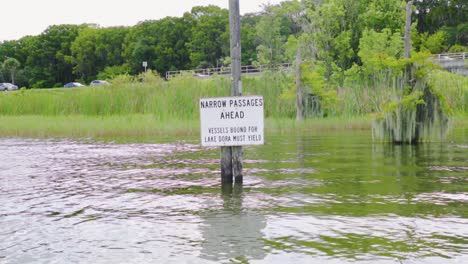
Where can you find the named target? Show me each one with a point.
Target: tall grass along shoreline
(144, 126)
(149, 106)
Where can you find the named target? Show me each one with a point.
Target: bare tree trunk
(299, 90)
(408, 71)
(409, 10)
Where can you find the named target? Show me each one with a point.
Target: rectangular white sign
(232, 121)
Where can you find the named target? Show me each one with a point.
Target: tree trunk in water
(299, 91)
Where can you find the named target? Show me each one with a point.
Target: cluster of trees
(335, 35)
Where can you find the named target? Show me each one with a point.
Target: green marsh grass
(102, 127)
(138, 126)
(455, 89)
(179, 97)
(175, 99)
(147, 106)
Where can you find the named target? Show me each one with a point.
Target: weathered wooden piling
(231, 157)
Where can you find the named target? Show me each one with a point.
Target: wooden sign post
(235, 121)
(231, 157)
(230, 123)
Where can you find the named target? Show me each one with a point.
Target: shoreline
(139, 126)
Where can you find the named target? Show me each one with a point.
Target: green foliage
(408, 102)
(330, 33)
(275, 27)
(435, 43)
(380, 50)
(271, 86)
(83, 51)
(461, 36)
(110, 72)
(209, 35)
(291, 47)
(269, 50)
(96, 49)
(313, 77)
(458, 48)
(48, 63)
(452, 90)
(11, 65)
(417, 111)
(342, 43)
(384, 14)
(379, 75)
(433, 15)
(161, 43)
(318, 94)
(248, 38)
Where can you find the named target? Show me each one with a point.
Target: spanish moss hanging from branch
(417, 112)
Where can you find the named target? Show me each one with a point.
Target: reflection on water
(234, 232)
(332, 197)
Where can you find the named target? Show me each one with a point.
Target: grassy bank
(176, 99)
(143, 126)
(80, 126)
(147, 106)
(147, 127)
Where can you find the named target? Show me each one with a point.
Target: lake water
(307, 197)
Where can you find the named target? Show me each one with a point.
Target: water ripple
(66, 201)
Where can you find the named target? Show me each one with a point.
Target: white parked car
(73, 84)
(8, 87)
(99, 82)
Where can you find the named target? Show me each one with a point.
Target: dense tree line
(332, 35)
